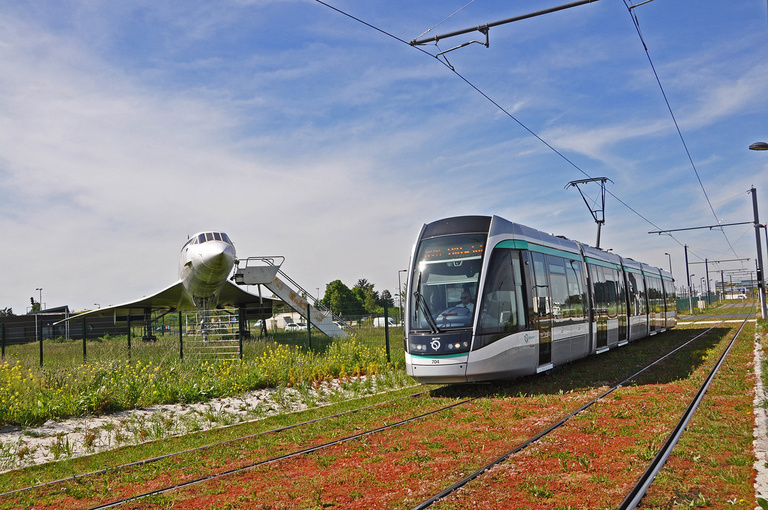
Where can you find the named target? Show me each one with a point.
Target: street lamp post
(40, 289)
(670, 262)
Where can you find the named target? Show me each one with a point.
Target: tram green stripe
(597, 262)
(461, 354)
(516, 244)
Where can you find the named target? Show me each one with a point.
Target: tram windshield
(445, 282)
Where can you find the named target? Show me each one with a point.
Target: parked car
(378, 322)
(292, 327)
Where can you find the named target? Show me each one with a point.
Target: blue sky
(300, 132)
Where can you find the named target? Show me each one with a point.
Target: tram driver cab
(446, 283)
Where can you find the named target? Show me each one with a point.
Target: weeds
(31, 395)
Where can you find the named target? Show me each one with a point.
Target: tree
(339, 298)
(369, 298)
(6, 312)
(386, 299)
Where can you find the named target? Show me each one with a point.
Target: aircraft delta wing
(205, 264)
(174, 298)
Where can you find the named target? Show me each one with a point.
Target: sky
(302, 132)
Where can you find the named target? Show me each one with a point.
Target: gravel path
(57, 440)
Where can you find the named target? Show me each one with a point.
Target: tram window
(611, 290)
(621, 294)
(201, 238)
(503, 304)
(633, 294)
(217, 236)
(656, 293)
(669, 290)
(559, 283)
(576, 297)
(598, 283)
(445, 268)
(225, 238)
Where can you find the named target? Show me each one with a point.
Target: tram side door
(600, 308)
(542, 309)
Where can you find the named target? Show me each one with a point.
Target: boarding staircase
(266, 271)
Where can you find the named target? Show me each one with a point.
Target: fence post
(39, 334)
(84, 336)
(309, 328)
(181, 340)
(386, 330)
(2, 337)
(129, 333)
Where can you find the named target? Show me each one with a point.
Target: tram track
(158, 458)
(346, 439)
(644, 482)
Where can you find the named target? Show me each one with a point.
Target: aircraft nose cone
(218, 258)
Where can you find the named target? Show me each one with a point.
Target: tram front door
(542, 309)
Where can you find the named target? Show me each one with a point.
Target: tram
(490, 299)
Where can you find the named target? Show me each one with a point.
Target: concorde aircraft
(205, 262)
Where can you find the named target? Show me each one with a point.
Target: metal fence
(44, 335)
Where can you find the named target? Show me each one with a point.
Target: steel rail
(329, 444)
(151, 460)
(303, 451)
(312, 449)
(464, 481)
(644, 482)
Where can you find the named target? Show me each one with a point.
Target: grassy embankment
(112, 379)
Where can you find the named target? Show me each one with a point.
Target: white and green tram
(491, 299)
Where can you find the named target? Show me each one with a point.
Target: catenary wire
(446, 19)
(503, 110)
(636, 24)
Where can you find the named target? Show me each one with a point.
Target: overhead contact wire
(636, 24)
(497, 105)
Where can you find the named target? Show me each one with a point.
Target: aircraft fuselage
(205, 262)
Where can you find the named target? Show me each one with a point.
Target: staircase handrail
(270, 260)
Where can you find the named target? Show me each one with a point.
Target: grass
(113, 379)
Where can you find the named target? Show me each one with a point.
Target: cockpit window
(210, 236)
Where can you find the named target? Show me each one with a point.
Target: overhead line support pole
(484, 28)
(688, 275)
(760, 280)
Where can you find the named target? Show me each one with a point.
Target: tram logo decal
(528, 337)
(435, 344)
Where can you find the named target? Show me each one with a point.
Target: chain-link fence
(49, 337)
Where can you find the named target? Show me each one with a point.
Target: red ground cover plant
(589, 463)
(712, 466)
(395, 469)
